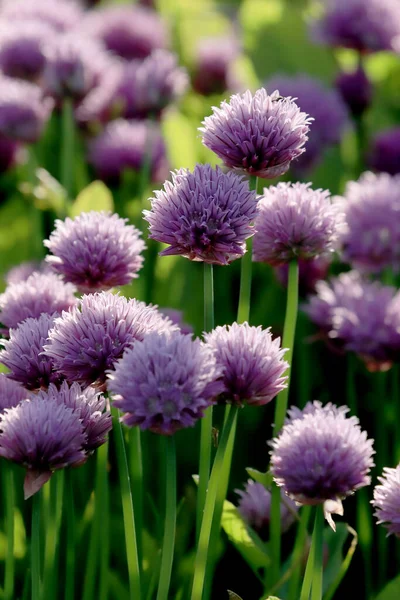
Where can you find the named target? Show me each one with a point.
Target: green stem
(317, 540)
(275, 533)
(70, 549)
(288, 341)
(136, 470)
(9, 487)
(67, 148)
(207, 420)
(103, 519)
(35, 547)
(309, 573)
(167, 554)
(298, 552)
(53, 524)
(127, 509)
(243, 313)
(203, 547)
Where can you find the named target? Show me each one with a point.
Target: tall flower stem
(298, 551)
(207, 420)
(167, 554)
(128, 510)
(53, 524)
(245, 273)
(67, 147)
(9, 486)
(136, 470)
(312, 581)
(103, 516)
(203, 547)
(35, 547)
(71, 537)
(280, 411)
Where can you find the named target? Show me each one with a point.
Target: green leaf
(264, 478)
(248, 545)
(391, 591)
(95, 196)
(336, 559)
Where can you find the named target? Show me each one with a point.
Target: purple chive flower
(360, 316)
(295, 221)
(61, 15)
(252, 363)
(259, 134)
(165, 382)
(387, 500)
(40, 293)
(255, 508)
(371, 241)
(130, 32)
(324, 105)
(214, 65)
(11, 393)
(96, 251)
(23, 110)
(206, 215)
(128, 145)
(385, 152)
(356, 90)
(85, 342)
(89, 407)
(364, 25)
(42, 435)
(102, 104)
(176, 316)
(310, 272)
(23, 48)
(24, 270)
(321, 455)
(23, 354)
(75, 66)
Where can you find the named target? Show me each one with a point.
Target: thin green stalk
(330, 592)
(317, 539)
(298, 552)
(9, 487)
(53, 524)
(245, 273)
(136, 471)
(103, 515)
(280, 411)
(207, 420)
(167, 554)
(203, 547)
(128, 510)
(309, 573)
(71, 537)
(35, 547)
(67, 148)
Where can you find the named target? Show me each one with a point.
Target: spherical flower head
(42, 435)
(165, 382)
(364, 25)
(387, 500)
(310, 272)
(75, 66)
(130, 32)
(128, 145)
(295, 221)
(259, 135)
(385, 152)
(206, 215)
(255, 507)
(147, 87)
(23, 48)
(214, 62)
(23, 354)
(85, 342)
(61, 15)
(360, 316)
(23, 110)
(11, 393)
(371, 241)
(40, 293)
(95, 251)
(24, 270)
(356, 90)
(324, 105)
(321, 454)
(89, 406)
(252, 363)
